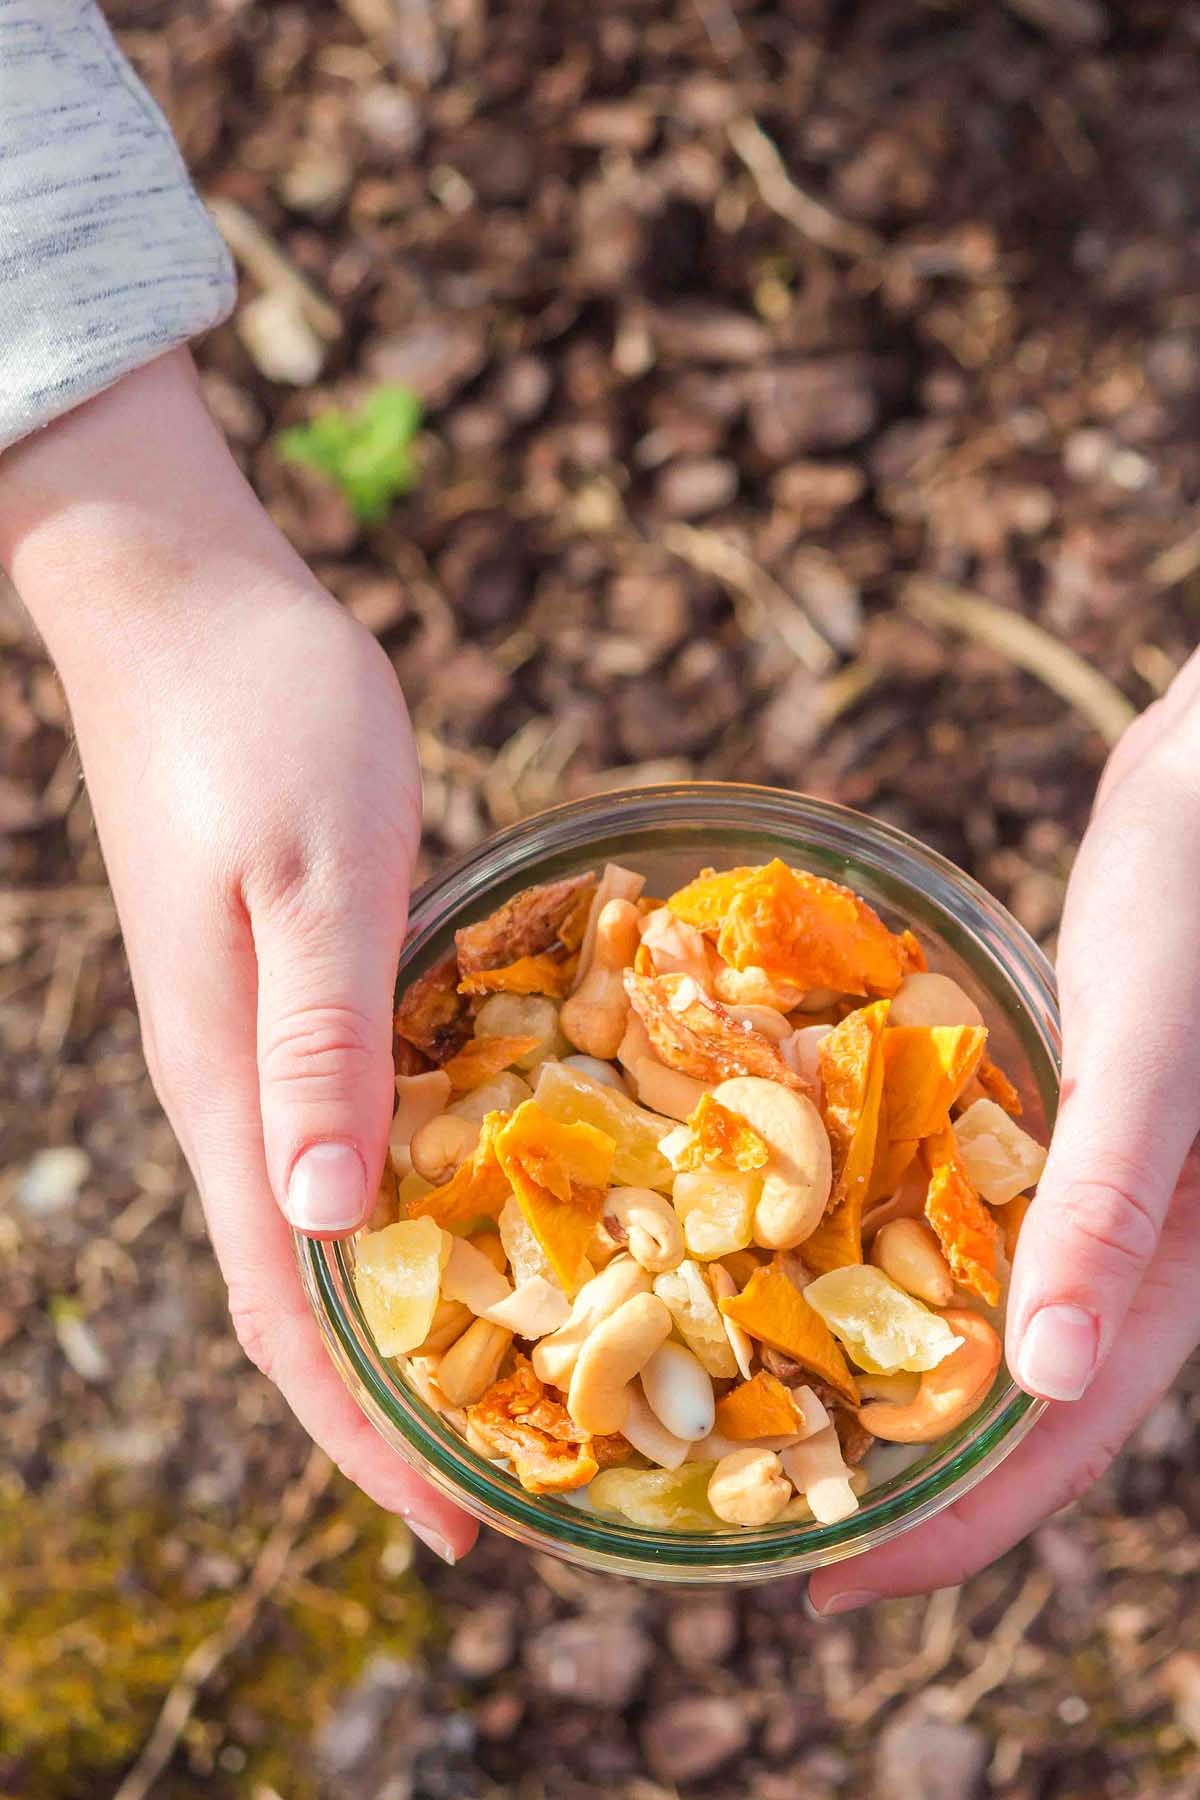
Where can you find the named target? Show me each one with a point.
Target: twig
(1028, 645)
(764, 603)
(274, 272)
(1176, 562)
(58, 902)
(203, 1662)
(1003, 1644)
(810, 217)
(938, 1643)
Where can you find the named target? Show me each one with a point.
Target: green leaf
(368, 454)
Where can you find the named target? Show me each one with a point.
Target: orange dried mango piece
(851, 1063)
(893, 1160)
(914, 957)
(525, 925)
(965, 1228)
(741, 1264)
(998, 1087)
(484, 1057)
(431, 1013)
(560, 1175)
(1010, 1217)
(760, 1407)
(720, 1138)
(692, 1032)
(541, 974)
(517, 1417)
(477, 1190)
(773, 1310)
(799, 928)
(925, 1069)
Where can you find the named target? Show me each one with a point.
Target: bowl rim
(968, 917)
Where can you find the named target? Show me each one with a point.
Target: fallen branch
(810, 217)
(1030, 646)
(764, 604)
(274, 272)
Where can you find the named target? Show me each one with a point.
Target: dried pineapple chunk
(883, 1328)
(397, 1277)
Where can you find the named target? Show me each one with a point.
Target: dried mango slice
(998, 1087)
(1010, 1217)
(541, 974)
(965, 1229)
(483, 1058)
(741, 1264)
(851, 1063)
(714, 1137)
(772, 1309)
(761, 1407)
(568, 1094)
(478, 1189)
(693, 1033)
(517, 1417)
(797, 927)
(914, 957)
(431, 1013)
(925, 1069)
(524, 926)
(560, 1175)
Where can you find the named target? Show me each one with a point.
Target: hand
(251, 768)
(1103, 1306)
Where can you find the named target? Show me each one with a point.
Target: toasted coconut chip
(966, 1230)
(998, 1087)
(694, 1034)
(541, 974)
(524, 926)
(773, 1310)
(560, 1175)
(432, 1015)
(851, 1060)
(758, 1408)
(482, 1058)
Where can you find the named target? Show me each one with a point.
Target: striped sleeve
(107, 255)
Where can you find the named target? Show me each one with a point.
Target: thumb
(1129, 966)
(326, 971)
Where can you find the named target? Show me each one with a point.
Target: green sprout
(368, 454)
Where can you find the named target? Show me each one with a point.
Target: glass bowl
(669, 833)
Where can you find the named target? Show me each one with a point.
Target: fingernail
(328, 1189)
(1057, 1352)
(846, 1602)
(432, 1540)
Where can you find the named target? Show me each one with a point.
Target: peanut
(679, 1392)
(748, 1487)
(471, 1365)
(907, 1250)
(593, 1019)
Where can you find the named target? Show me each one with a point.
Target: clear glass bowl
(669, 833)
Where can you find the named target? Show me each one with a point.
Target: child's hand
(1103, 1308)
(251, 768)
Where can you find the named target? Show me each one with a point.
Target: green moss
(99, 1607)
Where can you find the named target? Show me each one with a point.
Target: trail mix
(692, 1202)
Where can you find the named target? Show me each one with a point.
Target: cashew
(767, 1019)
(471, 1276)
(617, 1350)
(748, 1487)
(818, 1470)
(595, 1070)
(449, 1322)
(716, 1209)
(644, 1430)
(441, 1146)
(676, 948)
(615, 883)
(901, 1387)
(649, 1224)
(594, 1017)
(471, 1365)
(948, 1394)
(926, 998)
(532, 1310)
(555, 1357)
(799, 1171)
(635, 1046)
(817, 1000)
(1001, 1160)
(801, 1053)
(754, 987)
(422, 1373)
(679, 1392)
(667, 1091)
(724, 1288)
(503, 1093)
(907, 1250)
(418, 1099)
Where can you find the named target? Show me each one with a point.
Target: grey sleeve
(107, 255)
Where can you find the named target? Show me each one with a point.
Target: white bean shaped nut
(471, 1365)
(618, 1349)
(605, 1073)
(555, 1357)
(767, 1019)
(503, 1093)
(449, 1322)
(798, 1174)
(680, 1391)
(593, 1018)
(908, 1251)
(644, 1430)
(927, 998)
(441, 1146)
(533, 1309)
(650, 1226)
(667, 1091)
(749, 1487)
(522, 1015)
(949, 1394)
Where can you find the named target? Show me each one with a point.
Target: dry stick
(1176, 562)
(1003, 1643)
(764, 601)
(938, 1644)
(274, 272)
(202, 1663)
(811, 218)
(1031, 647)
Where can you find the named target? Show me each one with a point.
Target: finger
(1150, 728)
(1065, 1453)
(1129, 969)
(327, 956)
(208, 1043)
